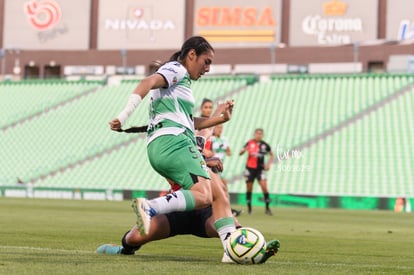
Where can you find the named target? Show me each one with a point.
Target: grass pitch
(61, 236)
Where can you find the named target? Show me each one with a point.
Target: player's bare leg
(133, 239)
(223, 218)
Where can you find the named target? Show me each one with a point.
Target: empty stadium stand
(332, 135)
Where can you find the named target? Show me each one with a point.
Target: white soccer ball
(246, 246)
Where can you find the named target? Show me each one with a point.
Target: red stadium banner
(47, 24)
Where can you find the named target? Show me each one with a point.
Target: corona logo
(334, 8)
(43, 15)
(333, 27)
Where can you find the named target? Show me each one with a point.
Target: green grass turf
(60, 237)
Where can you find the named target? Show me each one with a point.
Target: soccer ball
(246, 246)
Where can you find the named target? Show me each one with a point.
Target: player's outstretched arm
(202, 123)
(151, 82)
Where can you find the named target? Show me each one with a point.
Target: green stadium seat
(71, 146)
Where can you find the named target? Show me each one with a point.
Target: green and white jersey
(171, 108)
(218, 145)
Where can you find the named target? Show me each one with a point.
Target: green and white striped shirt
(172, 106)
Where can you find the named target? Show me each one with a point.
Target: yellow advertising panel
(228, 23)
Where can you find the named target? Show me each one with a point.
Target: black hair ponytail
(197, 43)
(175, 56)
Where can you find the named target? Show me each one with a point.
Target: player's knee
(206, 199)
(224, 199)
(202, 193)
(202, 199)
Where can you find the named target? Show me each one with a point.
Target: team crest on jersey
(204, 165)
(174, 80)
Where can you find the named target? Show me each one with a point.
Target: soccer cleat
(269, 212)
(272, 247)
(143, 212)
(226, 259)
(111, 249)
(235, 212)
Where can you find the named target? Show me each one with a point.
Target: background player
(217, 146)
(256, 167)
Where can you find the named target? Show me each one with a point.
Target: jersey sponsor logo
(43, 15)
(203, 165)
(168, 69)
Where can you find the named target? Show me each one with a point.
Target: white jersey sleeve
(173, 72)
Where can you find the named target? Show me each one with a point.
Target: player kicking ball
(199, 223)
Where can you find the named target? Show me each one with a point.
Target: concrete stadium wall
(286, 55)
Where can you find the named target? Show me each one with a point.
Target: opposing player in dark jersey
(199, 223)
(256, 167)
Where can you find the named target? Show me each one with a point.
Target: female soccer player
(171, 145)
(206, 108)
(199, 223)
(217, 146)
